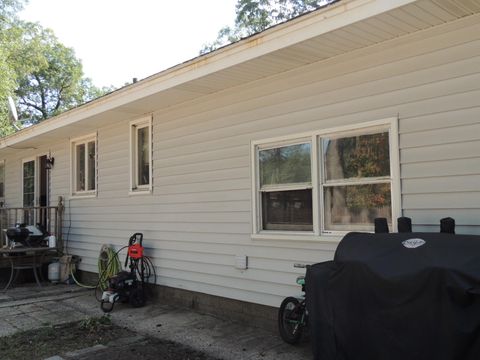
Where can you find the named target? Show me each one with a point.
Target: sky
(118, 40)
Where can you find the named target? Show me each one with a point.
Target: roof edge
(300, 28)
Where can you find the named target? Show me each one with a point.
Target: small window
(84, 165)
(286, 187)
(141, 155)
(28, 171)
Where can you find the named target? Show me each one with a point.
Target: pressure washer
(129, 286)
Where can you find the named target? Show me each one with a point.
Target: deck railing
(49, 217)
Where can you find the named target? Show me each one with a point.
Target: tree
(41, 73)
(7, 73)
(253, 16)
(55, 82)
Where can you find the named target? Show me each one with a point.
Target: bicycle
(293, 314)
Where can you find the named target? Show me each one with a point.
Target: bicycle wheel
(291, 320)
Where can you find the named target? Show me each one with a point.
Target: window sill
(282, 236)
(140, 192)
(83, 196)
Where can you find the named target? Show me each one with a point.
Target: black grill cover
(381, 300)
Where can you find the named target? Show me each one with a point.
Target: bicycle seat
(301, 280)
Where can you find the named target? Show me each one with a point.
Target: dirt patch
(66, 338)
(148, 349)
(52, 340)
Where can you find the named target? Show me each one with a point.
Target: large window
(328, 182)
(84, 166)
(141, 155)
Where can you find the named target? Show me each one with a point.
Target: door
(35, 190)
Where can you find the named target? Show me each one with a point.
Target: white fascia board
(318, 22)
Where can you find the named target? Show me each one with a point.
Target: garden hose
(108, 265)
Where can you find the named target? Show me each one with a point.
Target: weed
(92, 324)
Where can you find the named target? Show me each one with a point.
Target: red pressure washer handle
(135, 248)
(136, 238)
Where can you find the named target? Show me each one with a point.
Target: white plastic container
(54, 272)
(52, 241)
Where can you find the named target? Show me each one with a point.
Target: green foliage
(364, 156)
(285, 165)
(93, 324)
(53, 80)
(253, 16)
(36, 69)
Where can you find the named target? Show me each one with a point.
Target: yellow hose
(108, 266)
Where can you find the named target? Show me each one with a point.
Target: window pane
(285, 165)
(2, 180)
(287, 210)
(357, 156)
(91, 165)
(80, 160)
(354, 207)
(29, 183)
(143, 156)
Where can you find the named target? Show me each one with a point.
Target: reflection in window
(91, 165)
(286, 187)
(29, 183)
(285, 165)
(80, 150)
(357, 156)
(354, 207)
(287, 210)
(143, 156)
(357, 186)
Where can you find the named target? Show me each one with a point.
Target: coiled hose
(108, 265)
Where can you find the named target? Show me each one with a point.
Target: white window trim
(35, 179)
(133, 128)
(390, 124)
(74, 194)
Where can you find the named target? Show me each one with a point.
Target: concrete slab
(215, 336)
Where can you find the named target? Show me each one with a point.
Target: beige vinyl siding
(199, 214)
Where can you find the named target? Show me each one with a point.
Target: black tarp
(379, 299)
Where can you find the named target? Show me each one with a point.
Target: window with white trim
(141, 155)
(84, 166)
(326, 182)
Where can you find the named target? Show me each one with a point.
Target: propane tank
(54, 271)
(52, 241)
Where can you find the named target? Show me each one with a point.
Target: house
(237, 164)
